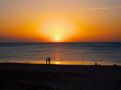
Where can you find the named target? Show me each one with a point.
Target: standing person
(49, 60)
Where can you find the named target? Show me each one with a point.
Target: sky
(60, 20)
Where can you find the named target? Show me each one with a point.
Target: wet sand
(59, 77)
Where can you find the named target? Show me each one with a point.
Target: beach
(16, 76)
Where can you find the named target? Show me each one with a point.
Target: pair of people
(48, 60)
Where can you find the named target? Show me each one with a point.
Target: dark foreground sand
(62, 77)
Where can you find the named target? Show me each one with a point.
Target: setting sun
(57, 30)
(58, 39)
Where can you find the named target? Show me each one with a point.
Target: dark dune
(59, 77)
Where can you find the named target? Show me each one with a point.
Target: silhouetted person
(49, 60)
(96, 64)
(46, 60)
(115, 65)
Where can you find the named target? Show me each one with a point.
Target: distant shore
(59, 77)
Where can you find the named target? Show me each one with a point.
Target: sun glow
(58, 39)
(57, 30)
(57, 62)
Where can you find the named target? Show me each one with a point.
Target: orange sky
(60, 21)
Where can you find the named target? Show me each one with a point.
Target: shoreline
(66, 62)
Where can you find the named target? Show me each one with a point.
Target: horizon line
(65, 42)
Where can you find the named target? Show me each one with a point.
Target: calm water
(61, 53)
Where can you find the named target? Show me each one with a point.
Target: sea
(81, 53)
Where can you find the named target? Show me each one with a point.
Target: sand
(59, 77)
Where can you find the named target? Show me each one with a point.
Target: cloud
(117, 7)
(100, 8)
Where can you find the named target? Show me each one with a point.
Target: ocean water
(61, 53)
